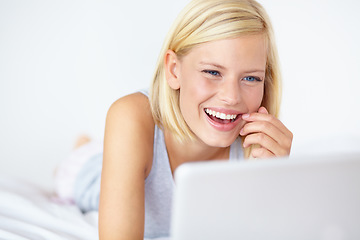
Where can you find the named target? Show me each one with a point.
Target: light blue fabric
(87, 184)
(159, 186)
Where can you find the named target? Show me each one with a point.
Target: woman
(215, 95)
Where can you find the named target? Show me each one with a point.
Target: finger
(261, 153)
(269, 129)
(262, 117)
(266, 142)
(263, 110)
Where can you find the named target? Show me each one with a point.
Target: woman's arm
(128, 150)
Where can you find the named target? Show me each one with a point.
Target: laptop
(309, 197)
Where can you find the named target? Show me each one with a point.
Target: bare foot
(81, 140)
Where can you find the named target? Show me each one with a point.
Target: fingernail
(242, 131)
(245, 116)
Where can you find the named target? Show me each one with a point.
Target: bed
(29, 212)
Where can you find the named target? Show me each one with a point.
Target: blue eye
(212, 72)
(252, 79)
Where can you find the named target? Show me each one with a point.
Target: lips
(221, 119)
(220, 116)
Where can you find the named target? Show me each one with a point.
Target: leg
(69, 169)
(87, 185)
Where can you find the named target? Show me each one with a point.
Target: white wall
(62, 63)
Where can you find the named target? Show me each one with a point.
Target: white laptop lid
(297, 198)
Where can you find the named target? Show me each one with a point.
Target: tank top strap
(145, 92)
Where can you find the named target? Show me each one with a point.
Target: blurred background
(62, 64)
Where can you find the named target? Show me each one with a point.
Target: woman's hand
(268, 132)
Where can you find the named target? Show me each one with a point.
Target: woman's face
(219, 81)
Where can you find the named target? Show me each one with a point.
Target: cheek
(194, 85)
(253, 98)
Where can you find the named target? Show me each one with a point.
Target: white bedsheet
(29, 212)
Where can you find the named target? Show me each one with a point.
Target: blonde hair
(204, 21)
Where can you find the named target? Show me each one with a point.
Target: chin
(220, 141)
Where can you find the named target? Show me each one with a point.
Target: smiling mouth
(221, 117)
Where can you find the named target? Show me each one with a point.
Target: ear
(171, 69)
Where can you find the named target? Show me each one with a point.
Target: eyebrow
(212, 64)
(222, 67)
(255, 71)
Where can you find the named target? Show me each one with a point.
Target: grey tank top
(159, 187)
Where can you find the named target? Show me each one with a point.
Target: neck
(192, 151)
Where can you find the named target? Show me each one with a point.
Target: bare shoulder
(136, 105)
(129, 123)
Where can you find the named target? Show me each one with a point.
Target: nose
(230, 92)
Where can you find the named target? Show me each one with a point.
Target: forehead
(246, 51)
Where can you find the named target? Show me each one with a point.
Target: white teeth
(220, 115)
